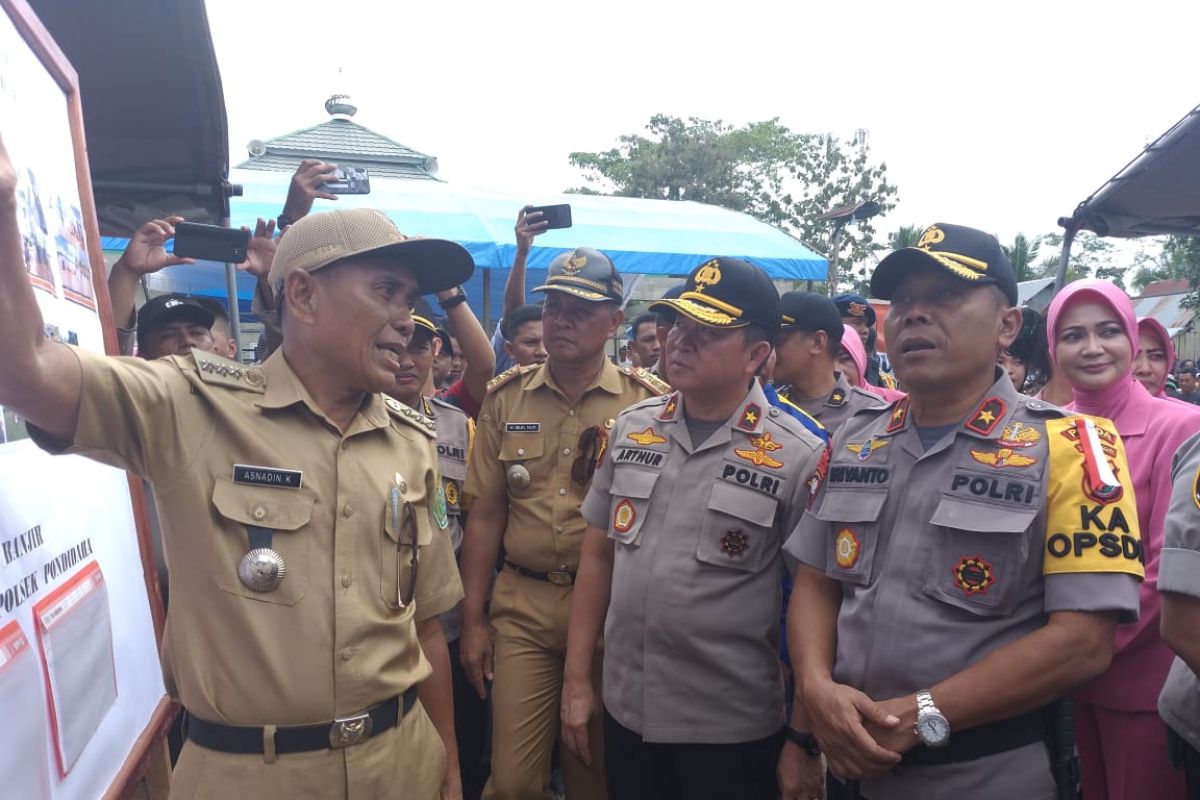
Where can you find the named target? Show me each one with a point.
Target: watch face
(933, 729)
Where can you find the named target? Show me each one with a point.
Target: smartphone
(211, 242)
(350, 180)
(558, 216)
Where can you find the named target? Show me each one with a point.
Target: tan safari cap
(320, 239)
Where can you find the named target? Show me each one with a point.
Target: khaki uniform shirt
(692, 634)
(1179, 571)
(948, 554)
(331, 640)
(839, 405)
(526, 420)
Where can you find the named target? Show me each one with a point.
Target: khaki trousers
(529, 618)
(407, 762)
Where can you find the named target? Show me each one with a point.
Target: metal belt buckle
(560, 578)
(350, 730)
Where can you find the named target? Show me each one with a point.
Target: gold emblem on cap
(707, 275)
(931, 236)
(574, 263)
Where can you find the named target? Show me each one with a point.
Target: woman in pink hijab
(1093, 336)
(1155, 355)
(852, 362)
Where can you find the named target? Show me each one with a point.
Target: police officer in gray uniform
(1179, 581)
(686, 516)
(968, 557)
(810, 338)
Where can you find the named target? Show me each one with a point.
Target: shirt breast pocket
(397, 571)
(853, 518)
(979, 556)
(631, 489)
(283, 512)
(738, 532)
(520, 451)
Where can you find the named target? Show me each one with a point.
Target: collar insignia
(987, 416)
(750, 416)
(899, 416)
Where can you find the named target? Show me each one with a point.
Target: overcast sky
(1002, 118)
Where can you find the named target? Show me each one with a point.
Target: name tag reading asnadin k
(267, 476)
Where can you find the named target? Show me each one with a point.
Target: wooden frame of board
(57, 66)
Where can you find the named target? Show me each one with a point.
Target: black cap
(215, 306)
(664, 312)
(422, 317)
(727, 293)
(519, 316)
(586, 273)
(854, 305)
(809, 311)
(965, 253)
(168, 308)
(447, 346)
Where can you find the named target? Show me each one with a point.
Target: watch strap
(451, 302)
(805, 741)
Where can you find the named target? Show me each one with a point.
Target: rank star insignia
(765, 442)
(846, 548)
(1004, 457)
(669, 409)
(1018, 434)
(899, 414)
(973, 575)
(837, 398)
(987, 416)
(750, 415)
(646, 437)
(758, 458)
(624, 516)
(734, 543)
(864, 450)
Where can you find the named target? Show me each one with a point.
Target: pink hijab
(1155, 328)
(858, 354)
(1152, 429)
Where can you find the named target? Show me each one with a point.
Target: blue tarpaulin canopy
(648, 237)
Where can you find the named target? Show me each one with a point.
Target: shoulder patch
(224, 372)
(411, 416)
(443, 406)
(649, 380)
(506, 376)
(876, 400)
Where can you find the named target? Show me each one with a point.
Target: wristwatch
(805, 741)
(933, 729)
(283, 221)
(453, 300)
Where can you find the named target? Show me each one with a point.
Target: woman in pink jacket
(1122, 742)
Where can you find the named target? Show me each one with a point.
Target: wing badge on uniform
(759, 458)
(646, 437)
(864, 450)
(1004, 457)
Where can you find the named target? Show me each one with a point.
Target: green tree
(764, 169)
(1172, 258)
(1091, 256)
(1023, 253)
(905, 236)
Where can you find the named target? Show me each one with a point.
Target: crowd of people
(750, 556)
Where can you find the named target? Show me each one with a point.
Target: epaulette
(411, 416)
(506, 376)
(879, 401)
(1042, 407)
(647, 379)
(443, 405)
(223, 372)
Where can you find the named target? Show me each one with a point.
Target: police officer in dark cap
(681, 564)
(172, 325)
(542, 429)
(859, 315)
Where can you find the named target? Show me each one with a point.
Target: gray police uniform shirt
(839, 405)
(947, 554)
(692, 634)
(1179, 571)
(455, 430)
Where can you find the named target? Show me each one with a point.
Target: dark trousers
(1186, 758)
(471, 728)
(638, 770)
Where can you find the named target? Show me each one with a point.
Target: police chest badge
(451, 494)
(846, 549)
(261, 570)
(734, 543)
(973, 575)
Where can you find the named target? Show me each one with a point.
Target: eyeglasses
(584, 465)
(404, 522)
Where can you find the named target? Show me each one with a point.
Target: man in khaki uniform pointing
(297, 505)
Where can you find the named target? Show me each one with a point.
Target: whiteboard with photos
(79, 614)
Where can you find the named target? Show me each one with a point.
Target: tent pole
(836, 246)
(235, 316)
(1060, 279)
(487, 300)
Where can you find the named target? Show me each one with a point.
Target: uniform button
(520, 451)
(558, 528)
(347, 654)
(347, 510)
(345, 445)
(571, 413)
(346, 581)
(562, 491)
(259, 512)
(774, 412)
(566, 451)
